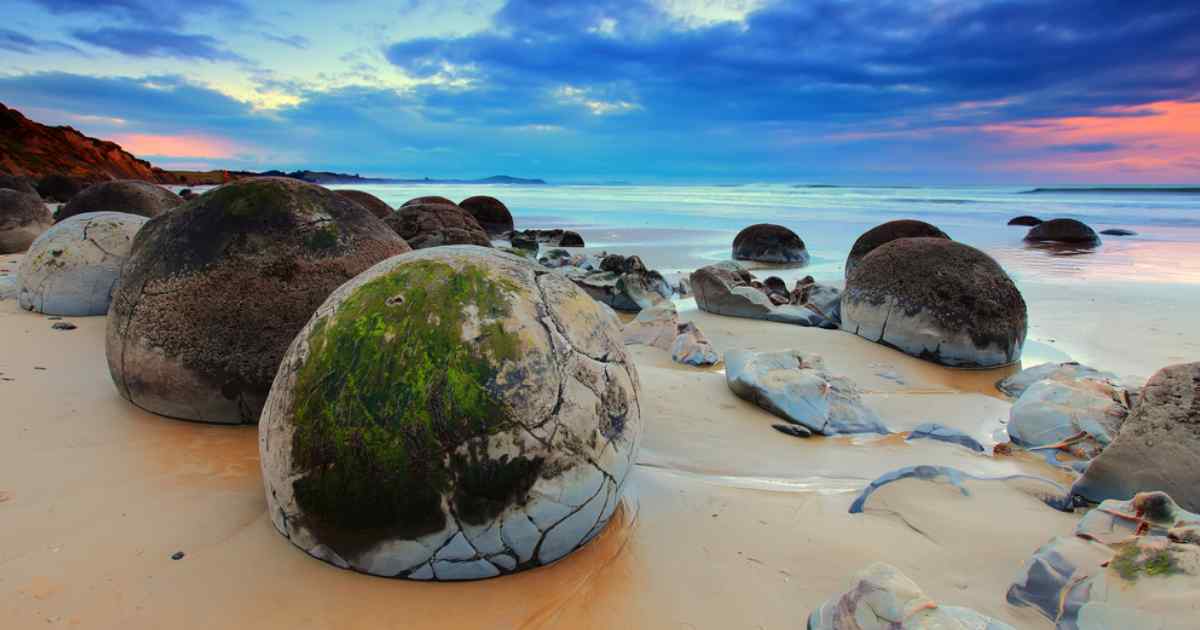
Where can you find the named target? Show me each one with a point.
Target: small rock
(178, 555)
(691, 347)
(1118, 232)
(657, 326)
(64, 326)
(1025, 220)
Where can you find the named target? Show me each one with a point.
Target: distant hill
(1178, 190)
(32, 149)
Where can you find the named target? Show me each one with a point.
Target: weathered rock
(60, 188)
(622, 282)
(431, 199)
(1130, 564)
(125, 195)
(375, 205)
(71, 268)
(1118, 232)
(886, 233)
(213, 293)
(691, 347)
(1087, 411)
(23, 217)
(1016, 384)
(434, 225)
(491, 214)
(557, 258)
(657, 326)
(1024, 220)
(726, 289)
(1063, 231)
(1045, 490)
(936, 299)
(766, 242)
(1158, 446)
(942, 433)
(492, 423)
(549, 238)
(796, 387)
(883, 598)
(187, 194)
(17, 183)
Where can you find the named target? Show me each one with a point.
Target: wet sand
(726, 524)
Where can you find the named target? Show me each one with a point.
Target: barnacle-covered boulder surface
(71, 269)
(491, 213)
(435, 224)
(123, 195)
(483, 419)
(377, 206)
(213, 293)
(23, 217)
(936, 299)
(887, 232)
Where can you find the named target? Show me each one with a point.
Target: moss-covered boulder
(938, 300)
(436, 224)
(71, 268)
(491, 213)
(23, 217)
(887, 232)
(454, 413)
(125, 195)
(213, 293)
(377, 206)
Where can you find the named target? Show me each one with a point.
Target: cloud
(143, 12)
(1084, 147)
(21, 43)
(299, 42)
(142, 42)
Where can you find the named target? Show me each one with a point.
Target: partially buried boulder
(491, 214)
(883, 234)
(883, 598)
(767, 242)
(938, 300)
(1118, 232)
(19, 184)
(377, 206)
(796, 387)
(691, 347)
(1063, 231)
(433, 225)
(1158, 446)
(1016, 384)
(23, 217)
(493, 420)
(126, 195)
(59, 188)
(436, 199)
(1024, 220)
(71, 269)
(727, 289)
(213, 293)
(550, 238)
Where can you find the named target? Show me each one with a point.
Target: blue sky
(920, 91)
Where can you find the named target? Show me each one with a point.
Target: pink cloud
(181, 145)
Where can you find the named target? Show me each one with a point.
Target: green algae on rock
(453, 413)
(213, 293)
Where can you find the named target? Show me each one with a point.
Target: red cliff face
(33, 149)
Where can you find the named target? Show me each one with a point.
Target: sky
(671, 91)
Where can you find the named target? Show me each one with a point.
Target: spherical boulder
(213, 293)
(377, 206)
(72, 267)
(938, 300)
(1025, 219)
(19, 184)
(124, 195)
(59, 188)
(1063, 231)
(23, 217)
(886, 233)
(491, 214)
(437, 199)
(434, 224)
(766, 242)
(482, 421)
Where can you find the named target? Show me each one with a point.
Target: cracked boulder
(883, 598)
(656, 326)
(767, 242)
(124, 195)
(481, 419)
(937, 300)
(886, 233)
(491, 214)
(435, 224)
(23, 218)
(728, 289)
(213, 293)
(796, 387)
(71, 268)
(691, 347)
(375, 205)
(1158, 445)
(621, 282)
(1083, 415)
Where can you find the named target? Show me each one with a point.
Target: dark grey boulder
(125, 195)
(1063, 231)
(938, 300)
(377, 206)
(491, 214)
(886, 233)
(17, 183)
(1024, 220)
(57, 188)
(1118, 232)
(23, 218)
(767, 242)
(434, 225)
